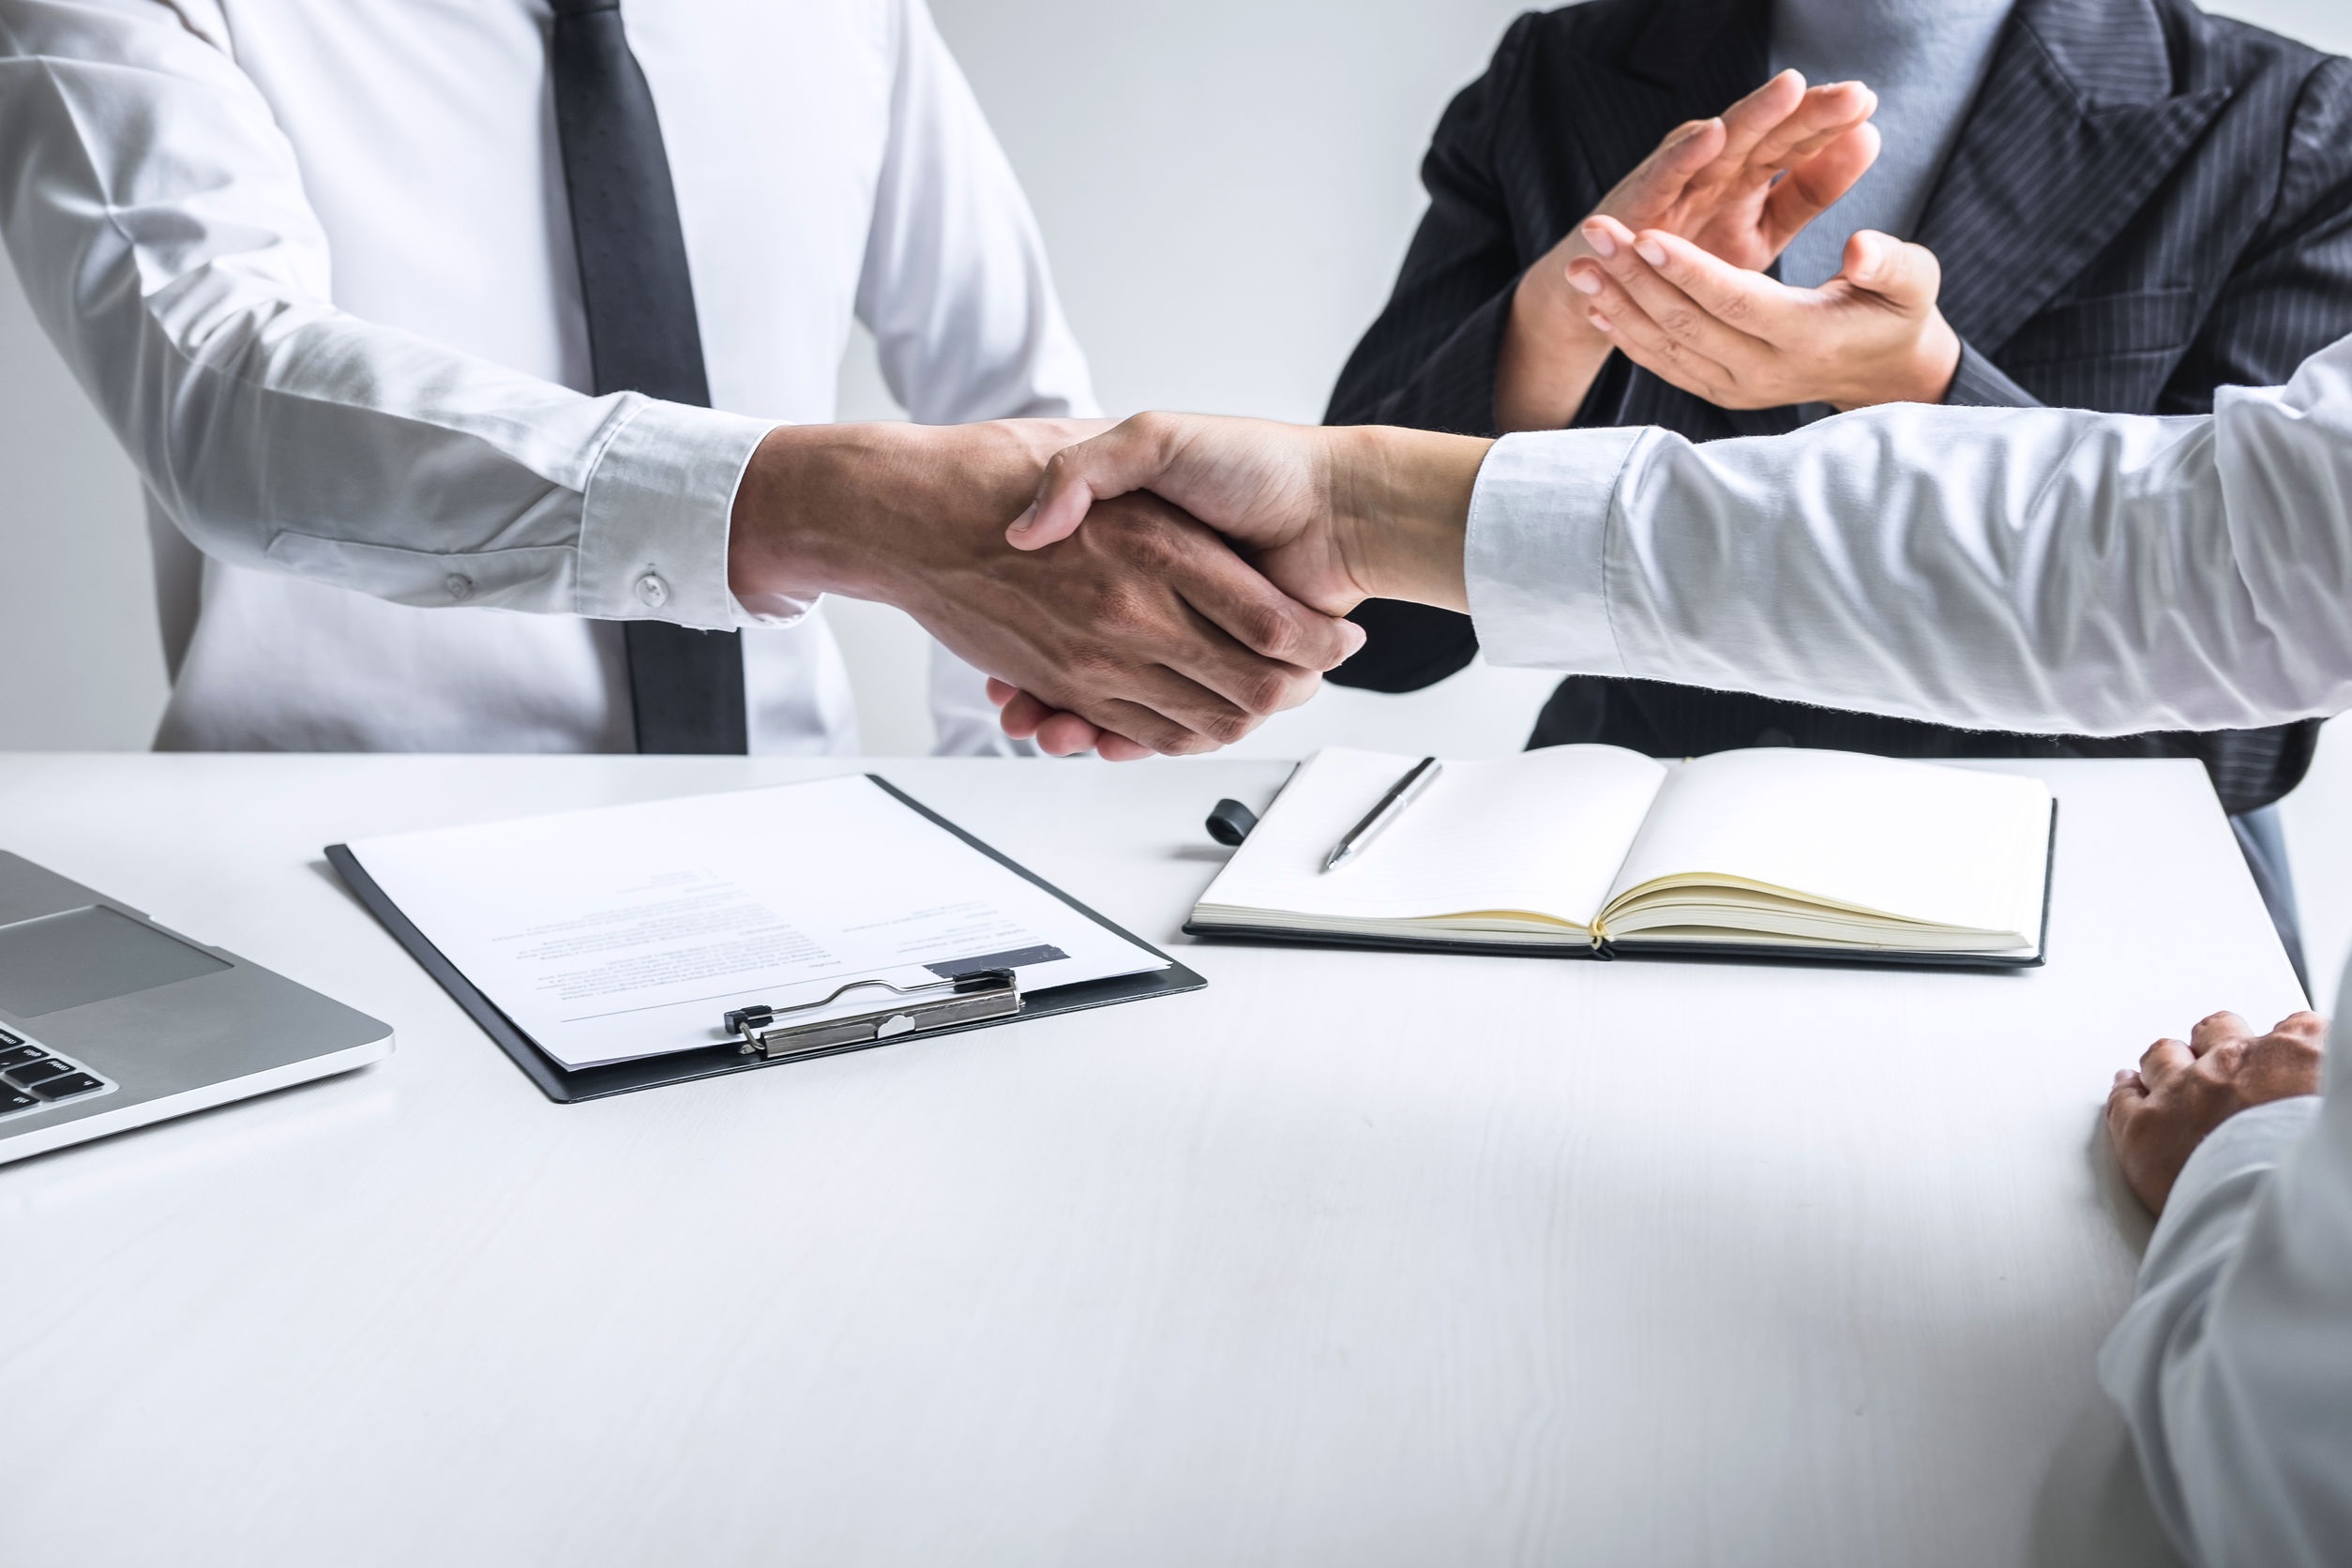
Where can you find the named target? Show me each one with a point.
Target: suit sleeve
(1428, 361)
(2290, 295)
(1980, 383)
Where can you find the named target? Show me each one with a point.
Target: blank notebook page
(1543, 831)
(1945, 845)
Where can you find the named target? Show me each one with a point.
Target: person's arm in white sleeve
(957, 295)
(2028, 569)
(2234, 1364)
(156, 215)
(2018, 570)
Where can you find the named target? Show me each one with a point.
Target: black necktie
(642, 336)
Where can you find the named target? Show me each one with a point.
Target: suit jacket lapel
(2076, 126)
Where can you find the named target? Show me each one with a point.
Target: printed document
(628, 931)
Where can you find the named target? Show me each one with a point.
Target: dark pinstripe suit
(2145, 203)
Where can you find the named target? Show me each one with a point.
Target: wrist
(871, 511)
(1925, 373)
(791, 533)
(1401, 508)
(1550, 353)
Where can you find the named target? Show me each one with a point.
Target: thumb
(1123, 459)
(1905, 276)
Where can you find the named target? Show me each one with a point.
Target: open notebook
(1589, 848)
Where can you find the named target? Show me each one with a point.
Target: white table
(1349, 1260)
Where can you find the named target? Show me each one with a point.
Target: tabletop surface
(1350, 1259)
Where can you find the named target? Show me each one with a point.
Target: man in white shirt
(316, 265)
(2021, 570)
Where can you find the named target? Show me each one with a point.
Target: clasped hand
(1146, 623)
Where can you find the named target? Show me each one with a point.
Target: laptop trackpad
(88, 954)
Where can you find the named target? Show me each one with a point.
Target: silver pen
(1402, 794)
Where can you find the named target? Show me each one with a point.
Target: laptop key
(8, 1039)
(15, 1099)
(65, 1088)
(21, 1054)
(30, 1072)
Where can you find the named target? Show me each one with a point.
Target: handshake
(1160, 587)
(1170, 583)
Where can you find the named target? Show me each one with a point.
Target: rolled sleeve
(1537, 557)
(655, 519)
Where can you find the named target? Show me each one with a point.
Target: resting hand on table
(1147, 623)
(1740, 339)
(1332, 517)
(1741, 187)
(2157, 1116)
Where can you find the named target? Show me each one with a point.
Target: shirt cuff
(2252, 1140)
(1537, 557)
(654, 520)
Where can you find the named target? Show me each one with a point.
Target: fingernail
(1649, 250)
(1598, 238)
(1600, 321)
(1584, 282)
(1027, 521)
(2123, 1076)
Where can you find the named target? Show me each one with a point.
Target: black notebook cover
(1738, 952)
(565, 1085)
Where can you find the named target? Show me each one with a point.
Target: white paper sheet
(627, 932)
(1915, 840)
(1541, 831)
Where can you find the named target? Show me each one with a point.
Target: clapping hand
(1739, 186)
(1871, 335)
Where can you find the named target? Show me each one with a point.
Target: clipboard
(977, 1001)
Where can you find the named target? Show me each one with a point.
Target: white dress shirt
(312, 260)
(2028, 570)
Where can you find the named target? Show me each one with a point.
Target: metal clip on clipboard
(975, 998)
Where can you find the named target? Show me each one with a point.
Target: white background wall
(1226, 186)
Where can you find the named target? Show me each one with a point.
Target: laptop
(107, 1021)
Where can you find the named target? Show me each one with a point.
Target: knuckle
(1227, 725)
(1263, 690)
(1270, 631)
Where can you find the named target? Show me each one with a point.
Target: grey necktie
(688, 687)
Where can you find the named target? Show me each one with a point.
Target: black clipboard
(1759, 953)
(570, 1085)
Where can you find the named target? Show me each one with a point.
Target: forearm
(2031, 570)
(1549, 358)
(1400, 504)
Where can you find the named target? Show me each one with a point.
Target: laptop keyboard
(33, 1077)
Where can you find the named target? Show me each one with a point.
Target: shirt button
(652, 592)
(460, 585)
